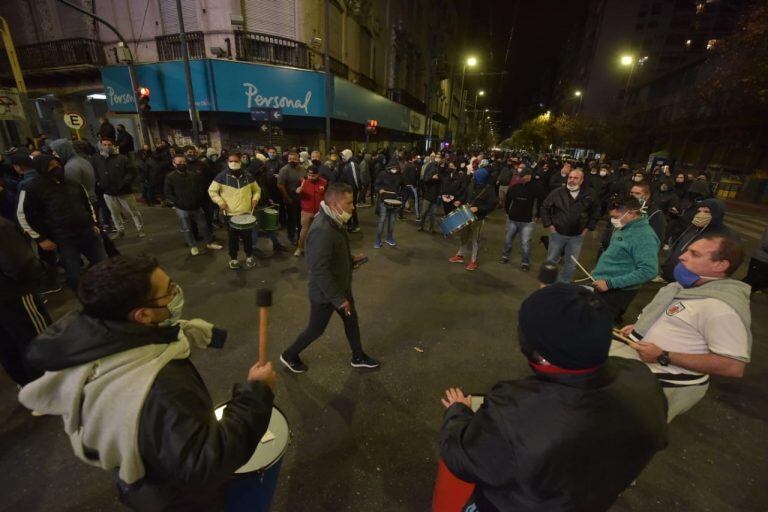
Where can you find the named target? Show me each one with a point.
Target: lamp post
(578, 95)
(628, 61)
(471, 62)
(474, 112)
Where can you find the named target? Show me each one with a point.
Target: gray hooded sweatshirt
(76, 168)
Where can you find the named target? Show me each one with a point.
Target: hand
(473, 209)
(647, 351)
(264, 374)
(601, 285)
(96, 230)
(47, 245)
(627, 330)
(224, 208)
(346, 307)
(456, 396)
(552, 229)
(435, 176)
(253, 205)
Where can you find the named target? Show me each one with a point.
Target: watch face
(664, 358)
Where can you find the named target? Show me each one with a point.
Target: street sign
(276, 115)
(260, 114)
(74, 120)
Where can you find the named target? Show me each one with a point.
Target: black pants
(319, 315)
(293, 219)
(352, 224)
(757, 275)
(21, 319)
(617, 301)
(234, 236)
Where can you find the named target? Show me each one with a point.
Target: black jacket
(483, 197)
(114, 174)
(558, 443)
(410, 175)
(454, 184)
(392, 182)
(599, 184)
(346, 173)
(570, 216)
(520, 201)
(186, 190)
(106, 130)
(20, 269)
(187, 454)
(430, 186)
(329, 261)
(54, 210)
(124, 142)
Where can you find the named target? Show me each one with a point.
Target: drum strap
(478, 196)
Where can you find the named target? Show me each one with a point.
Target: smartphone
(362, 260)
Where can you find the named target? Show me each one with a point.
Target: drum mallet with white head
(264, 301)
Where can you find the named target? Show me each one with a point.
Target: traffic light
(144, 106)
(371, 125)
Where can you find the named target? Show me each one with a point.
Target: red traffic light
(144, 91)
(373, 123)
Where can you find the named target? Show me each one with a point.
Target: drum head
(270, 211)
(243, 218)
(268, 452)
(393, 202)
(477, 401)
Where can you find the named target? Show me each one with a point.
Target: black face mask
(317, 163)
(293, 164)
(191, 158)
(57, 173)
(181, 167)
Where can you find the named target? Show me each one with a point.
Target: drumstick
(620, 337)
(582, 268)
(264, 301)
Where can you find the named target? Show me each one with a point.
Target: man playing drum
(389, 185)
(573, 436)
(237, 194)
(132, 402)
(481, 200)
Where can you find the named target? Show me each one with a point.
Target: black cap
(567, 325)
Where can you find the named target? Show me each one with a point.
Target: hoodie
(76, 168)
(91, 365)
(693, 233)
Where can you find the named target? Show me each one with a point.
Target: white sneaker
(214, 246)
(234, 264)
(250, 262)
(194, 251)
(297, 252)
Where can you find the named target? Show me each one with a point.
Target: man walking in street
(519, 203)
(569, 213)
(330, 279)
(185, 190)
(350, 174)
(288, 180)
(115, 175)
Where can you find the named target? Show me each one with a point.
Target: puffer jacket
(237, 192)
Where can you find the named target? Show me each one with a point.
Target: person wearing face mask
(115, 175)
(569, 213)
(123, 140)
(350, 174)
(389, 185)
(119, 374)
(311, 193)
(707, 217)
(59, 217)
(185, 189)
(330, 266)
(410, 186)
(453, 190)
(631, 259)
(288, 181)
(236, 193)
(656, 219)
(430, 191)
(697, 326)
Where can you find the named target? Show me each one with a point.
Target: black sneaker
(364, 361)
(504, 260)
(525, 267)
(295, 365)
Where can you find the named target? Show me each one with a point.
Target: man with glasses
(119, 374)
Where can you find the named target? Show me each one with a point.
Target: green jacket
(631, 259)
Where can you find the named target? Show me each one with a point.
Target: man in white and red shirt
(697, 326)
(311, 193)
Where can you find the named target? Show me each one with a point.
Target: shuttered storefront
(274, 17)
(170, 16)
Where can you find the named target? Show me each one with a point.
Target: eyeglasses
(173, 290)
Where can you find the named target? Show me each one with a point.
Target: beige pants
(679, 399)
(306, 221)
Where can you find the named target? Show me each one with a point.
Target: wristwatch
(663, 359)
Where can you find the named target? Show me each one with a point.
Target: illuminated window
(711, 44)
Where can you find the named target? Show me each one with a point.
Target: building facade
(390, 60)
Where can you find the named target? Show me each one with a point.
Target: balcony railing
(169, 47)
(405, 98)
(365, 81)
(56, 54)
(338, 68)
(255, 47)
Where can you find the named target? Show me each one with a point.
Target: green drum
(268, 219)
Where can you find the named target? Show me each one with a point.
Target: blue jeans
(572, 247)
(186, 218)
(430, 212)
(408, 193)
(70, 251)
(388, 216)
(526, 231)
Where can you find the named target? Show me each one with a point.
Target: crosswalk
(747, 225)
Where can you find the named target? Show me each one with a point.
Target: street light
(577, 94)
(471, 62)
(627, 60)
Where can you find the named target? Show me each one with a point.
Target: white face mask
(175, 307)
(235, 166)
(603, 173)
(572, 188)
(343, 216)
(617, 222)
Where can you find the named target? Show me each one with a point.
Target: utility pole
(188, 76)
(328, 77)
(21, 86)
(131, 68)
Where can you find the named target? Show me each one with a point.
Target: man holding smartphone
(330, 279)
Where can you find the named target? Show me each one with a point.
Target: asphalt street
(366, 440)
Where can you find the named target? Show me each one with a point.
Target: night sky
(541, 28)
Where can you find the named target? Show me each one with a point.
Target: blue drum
(458, 219)
(253, 486)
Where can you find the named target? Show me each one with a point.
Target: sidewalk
(735, 206)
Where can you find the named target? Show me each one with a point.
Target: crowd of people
(67, 204)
